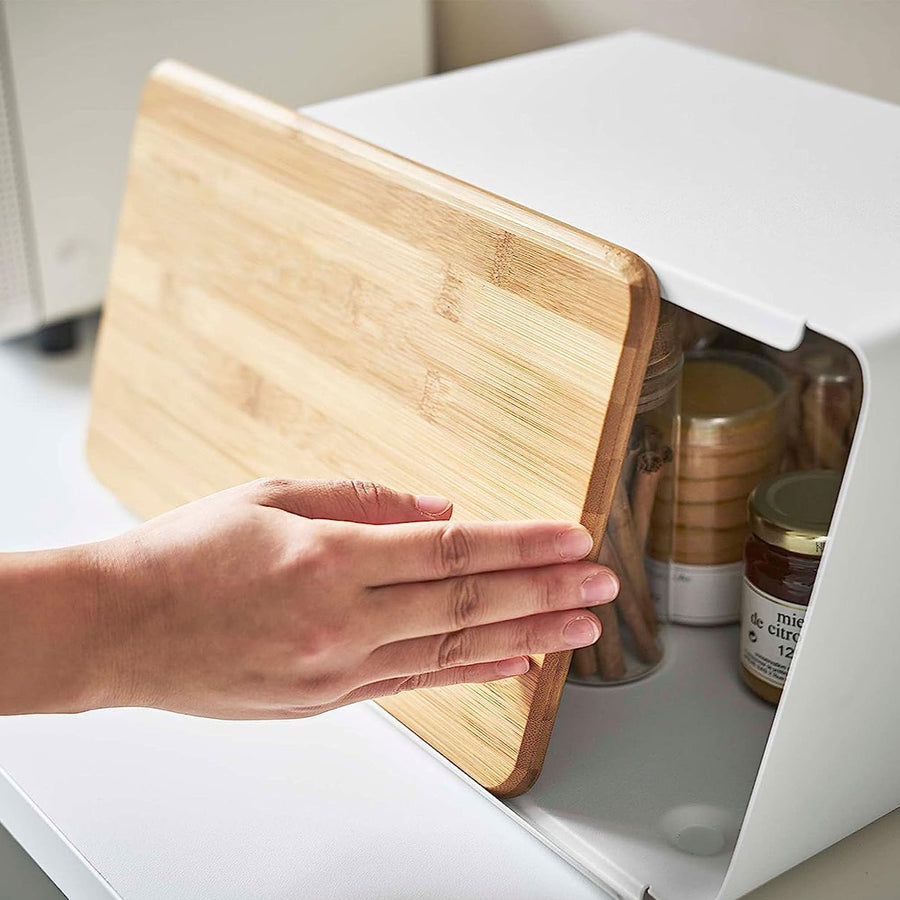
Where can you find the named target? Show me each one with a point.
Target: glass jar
(731, 437)
(695, 332)
(789, 519)
(823, 401)
(631, 644)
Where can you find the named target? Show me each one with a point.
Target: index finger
(429, 551)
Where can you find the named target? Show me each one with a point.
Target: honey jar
(789, 516)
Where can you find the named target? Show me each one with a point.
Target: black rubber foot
(60, 337)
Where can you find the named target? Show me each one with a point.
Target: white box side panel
(831, 762)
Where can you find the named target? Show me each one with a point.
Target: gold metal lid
(793, 511)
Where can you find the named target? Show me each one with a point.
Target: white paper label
(770, 629)
(696, 595)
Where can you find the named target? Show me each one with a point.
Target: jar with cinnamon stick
(823, 401)
(631, 643)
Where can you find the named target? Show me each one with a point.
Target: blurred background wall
(71, 73)
(851, 43)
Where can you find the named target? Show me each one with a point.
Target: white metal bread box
(771, 205)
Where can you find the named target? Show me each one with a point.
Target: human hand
(284, 599)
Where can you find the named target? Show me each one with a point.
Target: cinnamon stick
(584, 660)
(828, 419)
(648, 472)
(630, 606)
(632, 576)
(633, 616)
(609, 652)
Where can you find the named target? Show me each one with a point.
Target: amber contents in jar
(785, 576)
(789, 519)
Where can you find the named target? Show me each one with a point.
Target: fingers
(349, 501)
(437, 607)
(475, 674)
(435, 550)
(546, 633)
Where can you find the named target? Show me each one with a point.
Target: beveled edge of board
(618, 263)
(643, 315)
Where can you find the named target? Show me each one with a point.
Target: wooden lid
(287, 300)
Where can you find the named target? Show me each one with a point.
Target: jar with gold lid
(789, 518)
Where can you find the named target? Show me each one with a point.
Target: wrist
(56, 652)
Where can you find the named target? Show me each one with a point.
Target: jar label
(695, 595)
(770, 630)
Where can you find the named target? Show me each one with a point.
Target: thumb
(350, 501)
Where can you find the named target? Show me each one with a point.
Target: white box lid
(759, 198)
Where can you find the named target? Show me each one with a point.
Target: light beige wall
(78, 68)
(851, 43)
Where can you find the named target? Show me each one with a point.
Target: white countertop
(145, 804)
(162, 805)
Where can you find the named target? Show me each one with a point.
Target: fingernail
(575, 543)
(581, 632)
(517, 666)
(599, 588)
(432, 506)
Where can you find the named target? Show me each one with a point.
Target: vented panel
(18, 297)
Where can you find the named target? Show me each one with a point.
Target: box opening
(645, 784)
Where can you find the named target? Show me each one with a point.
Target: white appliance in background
(70, 81)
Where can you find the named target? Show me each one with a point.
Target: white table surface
(146, 804)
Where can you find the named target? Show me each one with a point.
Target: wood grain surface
(288, 300)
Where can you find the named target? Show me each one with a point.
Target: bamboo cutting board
(287, 300)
